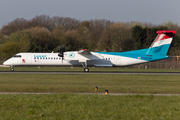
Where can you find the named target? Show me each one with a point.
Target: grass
(67, 106)
(87, 83)
(88, 107)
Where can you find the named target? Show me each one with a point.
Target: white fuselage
(70, 59)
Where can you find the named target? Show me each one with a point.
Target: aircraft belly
(130, 61)
(92, 63)
(100, 63)
(51, 62)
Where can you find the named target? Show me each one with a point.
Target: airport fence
(173, 62)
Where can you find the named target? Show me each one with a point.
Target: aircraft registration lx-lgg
(85, 58)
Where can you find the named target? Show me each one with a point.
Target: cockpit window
(17, 56)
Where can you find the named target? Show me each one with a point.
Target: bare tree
(66, 22)
(113, 37)
(40, 21)
(15, 25)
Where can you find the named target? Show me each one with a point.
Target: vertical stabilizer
(161, 44)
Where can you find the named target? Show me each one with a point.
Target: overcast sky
(150, 11)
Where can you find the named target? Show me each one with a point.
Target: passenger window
(34, 58)
(37, 58)
(40, 58)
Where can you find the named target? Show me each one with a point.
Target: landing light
(106, 92)
(96, 88)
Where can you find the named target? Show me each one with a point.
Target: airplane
(85, 58)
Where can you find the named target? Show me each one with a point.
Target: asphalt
(94, 72)
(118, 94)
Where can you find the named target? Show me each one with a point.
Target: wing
(82, 55)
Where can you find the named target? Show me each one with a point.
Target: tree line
(47, 34)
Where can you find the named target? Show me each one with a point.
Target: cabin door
(29, 59)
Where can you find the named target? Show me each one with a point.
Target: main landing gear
(86, 69)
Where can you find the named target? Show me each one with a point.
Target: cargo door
(118, 60)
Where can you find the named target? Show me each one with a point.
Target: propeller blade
(61, 54)
(62, 50)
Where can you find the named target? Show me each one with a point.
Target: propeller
(61, 54)
(62, 50)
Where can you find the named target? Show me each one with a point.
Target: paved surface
(92, 93)
(63, 72)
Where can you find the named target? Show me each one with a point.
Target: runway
(94, 72)
(118, 94)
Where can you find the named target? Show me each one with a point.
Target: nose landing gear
(12, 69)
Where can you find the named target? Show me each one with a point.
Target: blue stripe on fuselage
(141, 54)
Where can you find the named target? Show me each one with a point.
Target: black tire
(12, 69)
(86, 69)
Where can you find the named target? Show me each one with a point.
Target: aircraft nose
(7, 62)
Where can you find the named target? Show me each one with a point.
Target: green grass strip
(153, 84)
(88, 107)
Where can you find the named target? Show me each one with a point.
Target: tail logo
(71, 55)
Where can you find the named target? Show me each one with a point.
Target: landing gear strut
(86, 69)
(12, 69)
